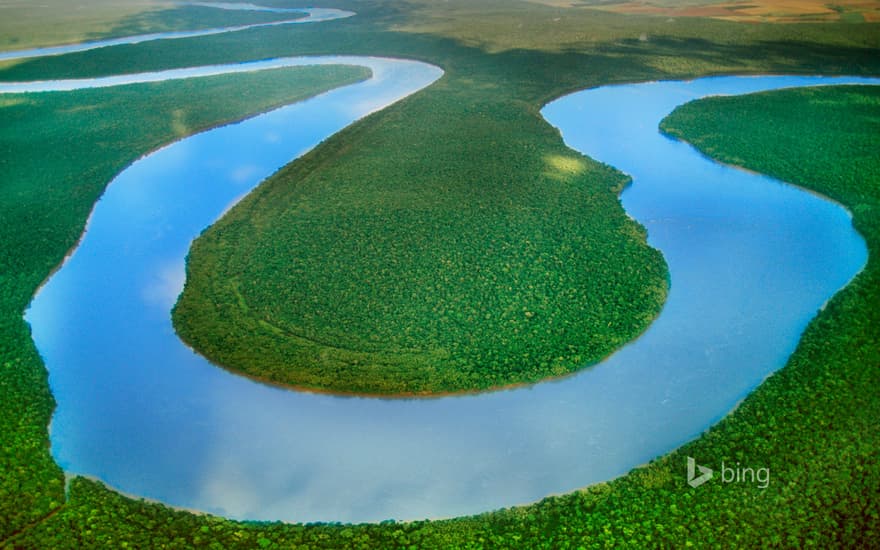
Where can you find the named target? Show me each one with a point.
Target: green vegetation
(467, 251)
(57, 152)
(812, 423)
(25, 24)
(519, 45)
(470, 260)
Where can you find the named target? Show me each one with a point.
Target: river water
(751, 261)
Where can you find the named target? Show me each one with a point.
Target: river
(751, 261)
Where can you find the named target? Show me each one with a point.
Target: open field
(812, 422)
(743, 11)
(25, 24)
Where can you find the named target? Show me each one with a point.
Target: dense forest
(467, 251)
(812, 422)
(455, 254)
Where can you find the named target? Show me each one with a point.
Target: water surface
(751, 261)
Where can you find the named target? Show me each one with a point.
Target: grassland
(25, 24)
(751, 11)
(811, 423)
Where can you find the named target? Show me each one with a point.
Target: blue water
(751, 261)
(69, 85)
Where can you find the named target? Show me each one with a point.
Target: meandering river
(305, 15)
(751, 261)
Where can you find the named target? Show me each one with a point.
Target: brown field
(755, 11)
(30, 23)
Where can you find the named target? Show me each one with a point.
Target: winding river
(305, 15)
(751, 261)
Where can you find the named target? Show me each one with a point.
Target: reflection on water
(751, 260)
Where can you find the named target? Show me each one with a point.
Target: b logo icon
(705, 473)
